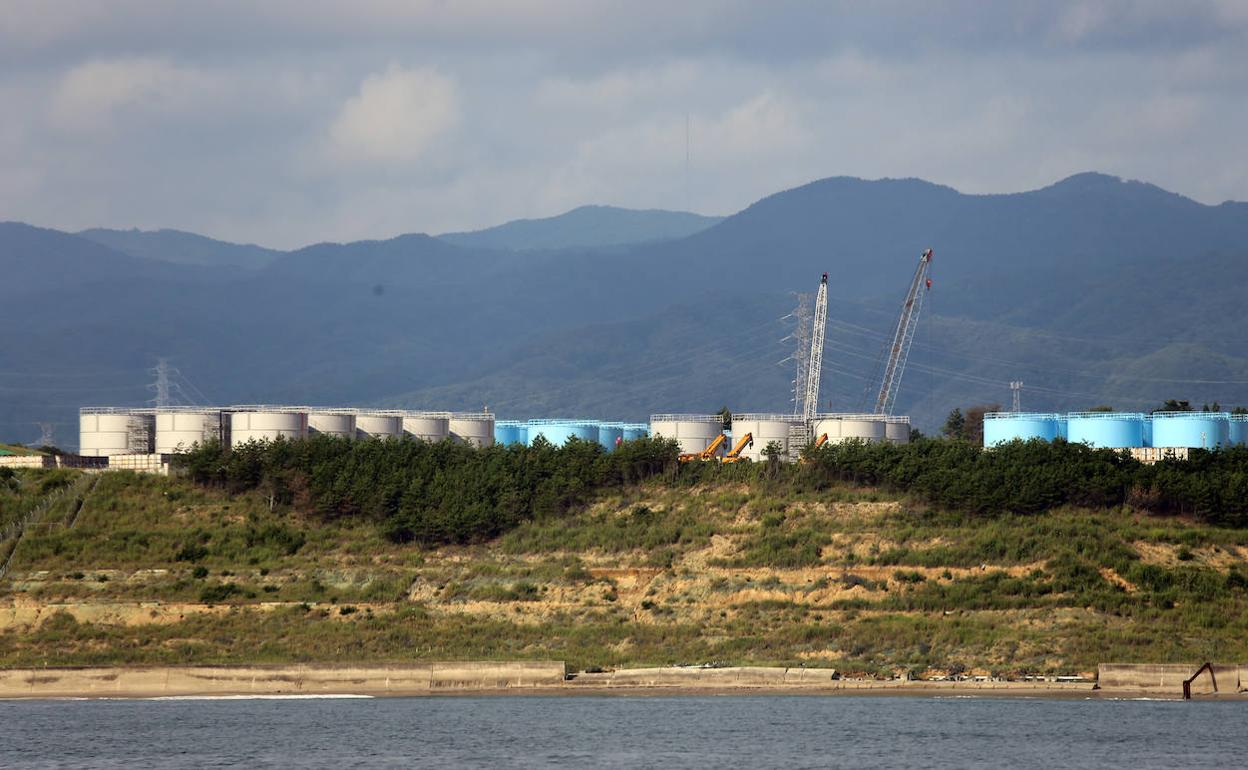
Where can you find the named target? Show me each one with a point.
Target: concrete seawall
(810, 679)
(396, 679)
(1168, 678)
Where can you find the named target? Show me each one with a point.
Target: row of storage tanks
(110, 431)
(558, 431)
(696, 432)
(1121, 430)
(117, 431)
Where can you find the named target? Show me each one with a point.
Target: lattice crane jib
(907, 323)
(810, 401)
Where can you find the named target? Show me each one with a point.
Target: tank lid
(764, 417)
(1105, 416)
(1193, 415)
(686, 418)
(1022, 416)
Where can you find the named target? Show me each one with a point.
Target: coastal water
(668, 732)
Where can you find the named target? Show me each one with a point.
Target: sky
(296, 121)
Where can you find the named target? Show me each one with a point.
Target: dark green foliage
(1034, 476)
(422, 492)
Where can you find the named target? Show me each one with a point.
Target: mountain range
(1092, 291)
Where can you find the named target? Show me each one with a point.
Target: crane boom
(899, 351)
(810, 399)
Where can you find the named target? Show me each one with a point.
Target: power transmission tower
(164, 374)
(47, 435)
(814, 364)
(804, 315)
(1016, 388)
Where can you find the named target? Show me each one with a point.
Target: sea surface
(857, 732)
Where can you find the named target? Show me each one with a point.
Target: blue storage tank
(1000, 427)
(1148, 430)
(558, 432)
(507, 432)
(1106, 430)
(1237, 430)
(609, 433)
(1063, 427)
(636, 430)
(1194, 430)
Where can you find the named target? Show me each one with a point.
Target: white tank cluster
(105, 431)
(116, 431)
(693, 432)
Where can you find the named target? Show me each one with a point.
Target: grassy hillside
(152, 569)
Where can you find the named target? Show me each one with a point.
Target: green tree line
(451, 493)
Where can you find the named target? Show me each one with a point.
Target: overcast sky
(295, 121)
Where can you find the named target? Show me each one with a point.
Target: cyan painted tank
(609, 434)
(1237, 430)
(1063, 427)
(1001, 427)
(1106, 430)
(558, 432)
(1194, 430)
(508, 432)
(634, 431)
(1148, 430)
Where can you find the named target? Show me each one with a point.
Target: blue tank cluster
(557, 431)
(1237, 430)
(508, 432)
(1000, 428)
(1195, 430)
(1121, 430)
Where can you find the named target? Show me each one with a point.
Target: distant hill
(1093, 290)
(182, 247)
(586, 227)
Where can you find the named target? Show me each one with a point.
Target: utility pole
(1016, 388)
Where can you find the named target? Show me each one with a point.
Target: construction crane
(899, 350)
(735, 455)
(709, 453)
(810, 398)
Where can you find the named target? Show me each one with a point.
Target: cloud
(91, 95)
(395, 117)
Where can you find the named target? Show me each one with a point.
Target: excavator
(713, 448)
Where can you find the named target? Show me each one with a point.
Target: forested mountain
(1093, 290)
(585, 227)
(181, 247)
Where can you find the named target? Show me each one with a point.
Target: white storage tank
(897, 430)
(476, 428)
(846, 427)
(379, 424)
(693, 432)
(764, 428)
(427, 426)
(103, 432)
(331, 422)
(177, 430)
(267, 425)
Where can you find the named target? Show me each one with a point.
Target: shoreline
(501, 679)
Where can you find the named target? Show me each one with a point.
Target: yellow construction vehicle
(706, 454)
(735, 455)
(823, 439)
